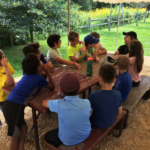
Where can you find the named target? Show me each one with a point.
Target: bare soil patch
(135, 137)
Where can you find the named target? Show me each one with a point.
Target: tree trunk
(31, 36)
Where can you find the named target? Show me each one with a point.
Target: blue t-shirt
(26, 88)
(73, 115)
(42, 58)
(124, 84)
(105, 105)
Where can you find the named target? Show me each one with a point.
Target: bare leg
(14, 142)
(24, 130)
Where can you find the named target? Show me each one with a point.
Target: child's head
(32, 48)
(73, 37)
(107, 73)
(31, 64)
(136, 50)
(69, 84)
(129, 37)
(54, 40)
(90, 41)
(123, 63)
(95, 34)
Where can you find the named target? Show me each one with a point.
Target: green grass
(108, 39)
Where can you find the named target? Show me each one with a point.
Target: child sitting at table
(106, 103)
(124, 80)
(73, 115)
(27, 87)
(53, 55)
(100, 48)
(6, 77)
(90, 42)
(136, 62)
(35, 48)
(75, 48)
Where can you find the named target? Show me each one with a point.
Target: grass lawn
(108, 39)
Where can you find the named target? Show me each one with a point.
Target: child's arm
(117, 52)
(79, 58)
(91, 112)
(119, 110)
(9, 80)
(83, 48)
(103, 51)
(51, 84)
(45, 103)
(66, 62)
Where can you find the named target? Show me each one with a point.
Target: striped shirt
(52, 54)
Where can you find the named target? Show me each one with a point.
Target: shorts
(14, 115)
(52, 138)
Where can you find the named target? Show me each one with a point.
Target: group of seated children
(99, 110)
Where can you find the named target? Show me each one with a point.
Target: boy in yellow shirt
(75, 47)
(6, 77)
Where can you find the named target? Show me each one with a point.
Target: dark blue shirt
(124, 85)
(26, 88)
(105, 105)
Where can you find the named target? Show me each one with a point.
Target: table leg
(35, 129)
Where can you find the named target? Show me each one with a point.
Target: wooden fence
(109, 20)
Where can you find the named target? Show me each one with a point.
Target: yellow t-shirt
(71, 51)
(3, 95)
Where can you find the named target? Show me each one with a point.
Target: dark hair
(123, 62)
(71, 93)
(30, 64)
(1, 54)
(53, 38)
(86, 45)
(31, 48)
(72, 35)
(108, 73)
(136, 50)
(95, 34)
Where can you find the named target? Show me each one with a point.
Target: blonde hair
(123, 62)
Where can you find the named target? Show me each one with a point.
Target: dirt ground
(135, 137)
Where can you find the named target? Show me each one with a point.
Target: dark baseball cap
(90, 39)
(131, 33)
(69, 83)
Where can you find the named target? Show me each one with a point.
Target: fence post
(90, 24)
(145, 14)
(108, 21)
(11, 39)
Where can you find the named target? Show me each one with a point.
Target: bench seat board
(136, 93)
(95, 137)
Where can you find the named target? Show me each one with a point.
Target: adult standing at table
(129, 37)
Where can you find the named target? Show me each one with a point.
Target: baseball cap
(109, 60)
(131, 33)
(69, 83)
(90, 39)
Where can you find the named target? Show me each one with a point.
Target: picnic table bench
(136, 93)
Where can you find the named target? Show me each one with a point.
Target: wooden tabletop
(85, 82)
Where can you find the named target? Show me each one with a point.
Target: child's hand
(97, 59)
(81, 42)
(4, 61)
(78, 66)
(50, 65)
(46, 67)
